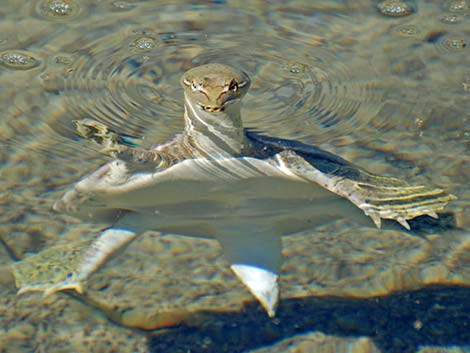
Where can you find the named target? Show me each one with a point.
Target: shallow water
(391, 94)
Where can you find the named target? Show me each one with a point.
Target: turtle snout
(212, 108)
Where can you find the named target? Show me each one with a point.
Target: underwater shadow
(397, 323)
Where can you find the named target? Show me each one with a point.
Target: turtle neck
(214, 133)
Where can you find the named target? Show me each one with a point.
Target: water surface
(388, 93)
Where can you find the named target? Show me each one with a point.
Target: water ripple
(315, 96)
(128, 78)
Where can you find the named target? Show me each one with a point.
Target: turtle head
(214, 88)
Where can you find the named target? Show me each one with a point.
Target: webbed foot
(400, 202)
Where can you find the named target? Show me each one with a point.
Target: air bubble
(295, 68)
(63, 60)
(406, 31)
(18, 60)
(454, 44)
(451, 19)
(466, 84)
(122, 6)
(58, 9)
(451, 43)
(395, 8)
(460, 6)
(144, 43)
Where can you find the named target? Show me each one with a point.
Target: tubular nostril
(212, 109)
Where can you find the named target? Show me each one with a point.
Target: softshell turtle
(219, 180)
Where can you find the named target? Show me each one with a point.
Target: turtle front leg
(114, 145)
(140, 158)
(379, 197)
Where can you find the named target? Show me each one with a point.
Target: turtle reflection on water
(219, 180)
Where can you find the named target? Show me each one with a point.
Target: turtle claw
(431, 214)
(375, 218)
(403, 222)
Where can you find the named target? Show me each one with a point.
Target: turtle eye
(191, 83)
(233, 86)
